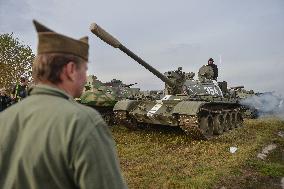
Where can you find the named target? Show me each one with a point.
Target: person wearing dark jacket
(20, 90)
(214, 67)
(5, 100)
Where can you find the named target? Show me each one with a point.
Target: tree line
(16, 60)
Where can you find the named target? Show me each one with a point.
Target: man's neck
(60, 86)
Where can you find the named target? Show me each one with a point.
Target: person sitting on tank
(214, 67)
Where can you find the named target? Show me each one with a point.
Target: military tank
(241, 94)
(257, 104)
(196, 106)
(103, 96)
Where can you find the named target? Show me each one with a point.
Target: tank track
(210, 123)
(122, 118)
(204, 126)
(106, 113)
(189, 124)
(108, 118)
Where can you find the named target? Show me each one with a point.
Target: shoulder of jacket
(85, 111)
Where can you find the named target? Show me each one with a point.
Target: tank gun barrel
(109, 39)
(238, 87)
(130, 85)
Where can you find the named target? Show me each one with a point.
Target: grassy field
(163, 157)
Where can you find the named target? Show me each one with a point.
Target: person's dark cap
(211, 59)
(23, 79)
(52, 42)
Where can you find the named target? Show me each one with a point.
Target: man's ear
(70, 70)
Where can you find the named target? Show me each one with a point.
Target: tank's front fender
(125, 105)
(188, 107)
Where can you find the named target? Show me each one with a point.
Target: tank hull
(200, 119)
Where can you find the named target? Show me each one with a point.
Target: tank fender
(188, 107)
(125, 105)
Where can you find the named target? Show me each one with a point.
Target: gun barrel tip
(93, 26)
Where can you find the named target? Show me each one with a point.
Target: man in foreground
(48, 140)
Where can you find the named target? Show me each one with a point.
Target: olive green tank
(103, 96)
(196, 106)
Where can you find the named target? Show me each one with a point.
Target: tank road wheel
(206, 126)
(123, 118)
(234, 119)
(227, 122)
(239, 119)
(218, 124)
(120, 117)
(131, 123)
(109, 118)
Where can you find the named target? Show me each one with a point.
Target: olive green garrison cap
(52, 42)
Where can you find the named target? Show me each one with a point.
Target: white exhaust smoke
(266, 104)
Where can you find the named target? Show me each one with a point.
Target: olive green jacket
(50, 141)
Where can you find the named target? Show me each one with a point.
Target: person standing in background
(5, 100)
(20, 90)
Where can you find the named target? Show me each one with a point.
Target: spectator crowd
(18, 93)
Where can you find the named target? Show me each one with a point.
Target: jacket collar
(48, 90)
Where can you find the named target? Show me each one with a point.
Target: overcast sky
(248, 35)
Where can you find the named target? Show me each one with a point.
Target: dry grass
(165, 158)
